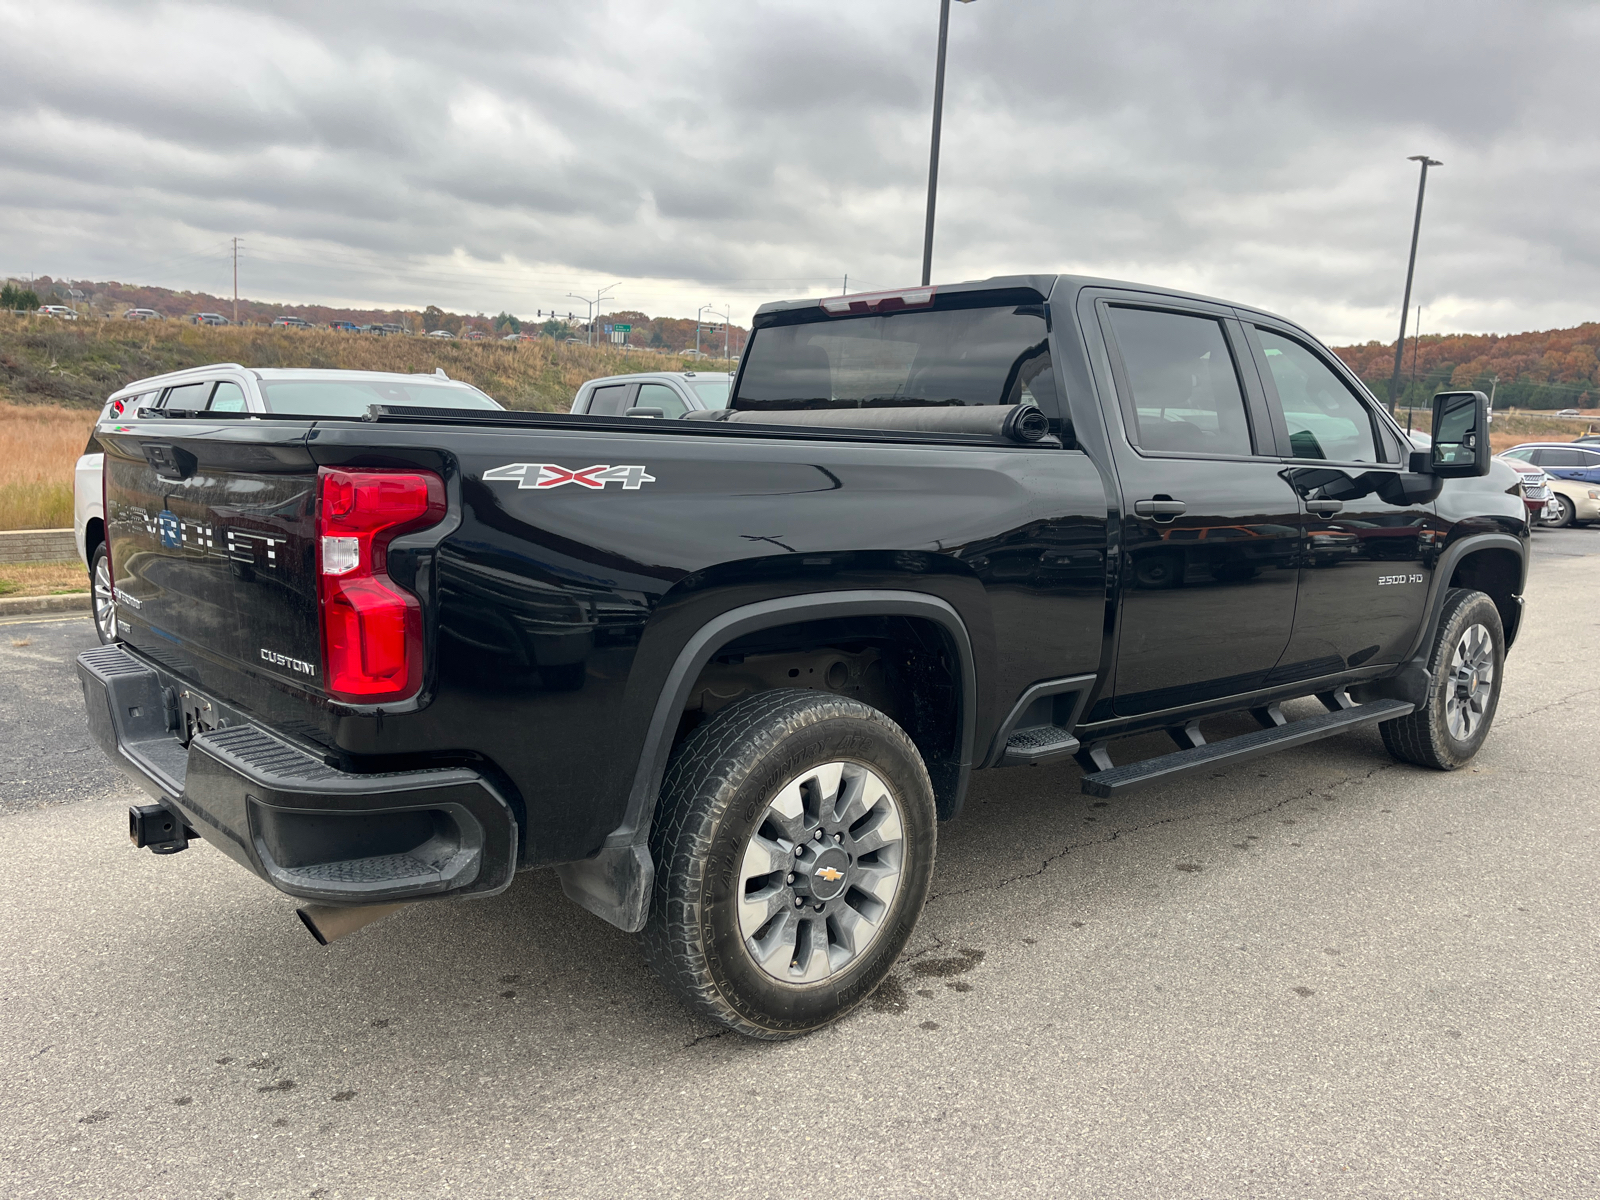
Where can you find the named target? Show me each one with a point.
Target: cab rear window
(903, 359)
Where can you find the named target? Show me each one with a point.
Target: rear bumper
(309, 829)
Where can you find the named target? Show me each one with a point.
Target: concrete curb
(20, 606)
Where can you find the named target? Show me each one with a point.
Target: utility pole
(933, 153)
(1411, 267)
(235, 281)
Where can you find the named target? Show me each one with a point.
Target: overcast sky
(500, 155)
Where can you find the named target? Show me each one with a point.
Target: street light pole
(1411, 267)
(594, 305)
(933, 153)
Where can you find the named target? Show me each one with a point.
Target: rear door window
(229, 397)
(1326, 419)
(189, 397)
(1183, 382)
(659, 395)
(609, 401)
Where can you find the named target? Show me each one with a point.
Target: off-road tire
(716, 792)
(1423, 736)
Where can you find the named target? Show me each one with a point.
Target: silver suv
(673, 393)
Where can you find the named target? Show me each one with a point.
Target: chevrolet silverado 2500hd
(725, 673)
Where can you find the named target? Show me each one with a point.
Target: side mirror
(1460, 435)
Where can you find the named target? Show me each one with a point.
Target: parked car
(440, 333)
(1536, 493)
(475, 335)
(141, 314)
(207, 319)
(391, 327)
(1574, 477)
(60, 311)
(674, 393)
(291, 323)
(230, 388)
(783, 633)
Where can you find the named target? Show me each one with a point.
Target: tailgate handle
(1160, 508)
(169, 462)
(1325, 508)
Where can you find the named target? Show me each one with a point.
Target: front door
(1211, 529)
(1369, 551)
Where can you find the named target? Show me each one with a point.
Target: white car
(141, 314)
(230, 388)
(59, 311)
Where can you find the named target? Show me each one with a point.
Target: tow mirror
(1460, 435)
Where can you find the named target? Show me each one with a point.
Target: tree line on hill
(1551, 369)
(111, 299)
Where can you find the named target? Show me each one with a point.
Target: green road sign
(622, 329)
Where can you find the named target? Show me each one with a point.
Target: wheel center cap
(829, 873)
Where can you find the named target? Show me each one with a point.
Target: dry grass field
(43, 579)
(39, 443)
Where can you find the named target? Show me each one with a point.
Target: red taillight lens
(371, 627)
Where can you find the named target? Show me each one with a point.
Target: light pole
(594, 305)
(1411, 267)
(933, 153)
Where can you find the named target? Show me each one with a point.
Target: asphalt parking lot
(1316, 974)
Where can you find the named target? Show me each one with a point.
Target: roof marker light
(877, 302)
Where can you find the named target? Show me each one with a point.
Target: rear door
(1210, 527)
(1581, 466)
(1369, 552)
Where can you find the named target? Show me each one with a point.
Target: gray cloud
(504, 155)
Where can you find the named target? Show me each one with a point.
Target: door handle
(1160, 508)
(1325, 508)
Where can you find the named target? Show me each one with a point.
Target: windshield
(904, 359)
(712, 394)
(352, 397)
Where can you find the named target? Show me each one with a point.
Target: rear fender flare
(616, 883)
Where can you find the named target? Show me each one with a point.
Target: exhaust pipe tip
(328, 922)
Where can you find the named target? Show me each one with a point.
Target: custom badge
(544, 476)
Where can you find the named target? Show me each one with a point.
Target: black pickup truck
(726, 673)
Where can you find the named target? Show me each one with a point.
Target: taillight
(371, 627)
(866, 302)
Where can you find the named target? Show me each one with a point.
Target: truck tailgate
(212, 529)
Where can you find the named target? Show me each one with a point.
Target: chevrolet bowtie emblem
(830, 874)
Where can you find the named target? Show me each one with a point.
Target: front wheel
(793, 849)
(100, 595)
(1568, 516)
(1467, 663)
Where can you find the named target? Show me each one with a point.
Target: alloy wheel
(820, 872)
(1471, 682)
(105, 604)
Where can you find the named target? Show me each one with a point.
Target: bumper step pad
(1119, 781)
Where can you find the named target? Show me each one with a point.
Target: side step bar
(1119, 781)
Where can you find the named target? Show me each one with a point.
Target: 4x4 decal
(549, 475)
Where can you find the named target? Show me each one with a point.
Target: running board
(1119, 781)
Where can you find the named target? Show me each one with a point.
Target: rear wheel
(794, 849)
(103, 602)
(1467, 663)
